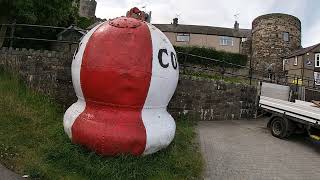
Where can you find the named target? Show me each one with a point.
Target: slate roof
(303, 51)
(208, 30)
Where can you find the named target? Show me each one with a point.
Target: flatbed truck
(291, 117)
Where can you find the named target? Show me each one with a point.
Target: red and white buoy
(124, 75)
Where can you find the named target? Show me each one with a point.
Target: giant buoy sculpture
(124, 75)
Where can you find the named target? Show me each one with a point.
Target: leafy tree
(43, 12)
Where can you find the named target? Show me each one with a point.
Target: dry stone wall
(49, 72)
(214, 100)
(311, 95)
(188, 68)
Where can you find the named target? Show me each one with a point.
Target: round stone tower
(273, 37)
(87, 8)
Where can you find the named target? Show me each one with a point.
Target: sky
(220, 13)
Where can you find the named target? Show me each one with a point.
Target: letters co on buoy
(124, 74)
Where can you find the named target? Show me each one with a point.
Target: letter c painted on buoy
(161, 51)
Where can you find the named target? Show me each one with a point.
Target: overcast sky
(220, 12)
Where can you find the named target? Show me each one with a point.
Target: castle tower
(87, 8)
(273, 37)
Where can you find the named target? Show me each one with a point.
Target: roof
(303, 51)
(72, 27)
(209, 30)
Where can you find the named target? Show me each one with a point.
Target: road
(245, 149)
(6, 174)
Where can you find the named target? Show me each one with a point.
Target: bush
(226, 57)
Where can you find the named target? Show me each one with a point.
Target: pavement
(6, 174)
(245, 149)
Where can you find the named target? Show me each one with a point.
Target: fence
(220, 69)
(28, 36)
(235, 72)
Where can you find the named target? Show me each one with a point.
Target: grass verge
(32, 142)
(218, 77)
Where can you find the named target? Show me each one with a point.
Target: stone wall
(213, 99)
(268, 45)
(246, 49)
(87, 8)
(49, 72)
(311, 95)
(188, 68)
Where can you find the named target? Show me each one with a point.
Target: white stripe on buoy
(78, 107)
(159, 124)
(160, 129)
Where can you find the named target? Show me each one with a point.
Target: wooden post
(13, 27)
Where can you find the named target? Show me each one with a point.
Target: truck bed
(300, 110)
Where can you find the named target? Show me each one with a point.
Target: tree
(45, 12)
(42, 12)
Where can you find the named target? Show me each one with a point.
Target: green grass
(33, 142)
(218, 77)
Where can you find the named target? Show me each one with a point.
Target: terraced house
(219, 38)
(303, 66)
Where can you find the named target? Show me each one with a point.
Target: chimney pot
(175, 21)
(236, 25)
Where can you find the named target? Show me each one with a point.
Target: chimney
(236, 25)
(175, 21)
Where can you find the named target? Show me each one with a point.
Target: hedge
(226, 57)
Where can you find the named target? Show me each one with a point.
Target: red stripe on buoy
(115, 84)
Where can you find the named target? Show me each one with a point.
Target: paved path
(247, 150)
(6, 174)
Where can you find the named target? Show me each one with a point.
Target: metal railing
(217, 67)
(251, 75)
(13, 37)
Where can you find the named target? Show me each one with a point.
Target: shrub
(226, 57)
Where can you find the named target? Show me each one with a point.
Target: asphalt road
(247, 150)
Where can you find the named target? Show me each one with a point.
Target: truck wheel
(281, 127)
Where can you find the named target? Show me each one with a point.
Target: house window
(317, 78)
(317, 60)
(286, 36)
(284, 63)
(295, 61)
(181, 37)
(244, 39)
(226, 41)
